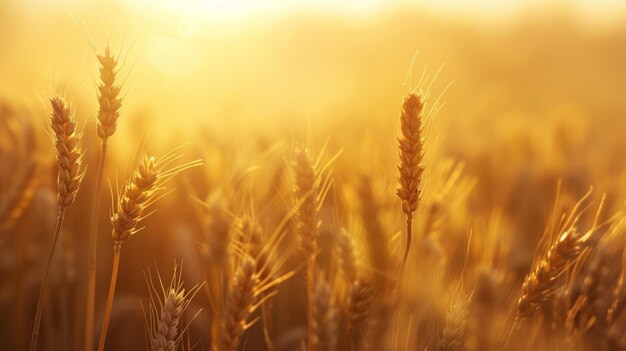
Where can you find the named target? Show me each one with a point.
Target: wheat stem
(42, 291)
(310, 269)
(107, 311)
(266, 313)
(93, 248)
(350, 338)
(407, 246)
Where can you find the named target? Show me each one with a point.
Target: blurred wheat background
(283, 119)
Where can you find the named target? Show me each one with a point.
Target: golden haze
(251, 169)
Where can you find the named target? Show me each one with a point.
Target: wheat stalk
(306, 189)
(18, 196)
(540, 283)
(109, 105)
(241, 303)
(164, 329)
(453, 336)
(253, 283)
(263, 262)
(361, 292)
(411, 166)
(360, 302)
(325, 318)
(109, 98)
(18, 172)
(346, 254)
(70, 175)
(138, 194)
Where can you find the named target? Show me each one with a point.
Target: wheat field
(205, 175)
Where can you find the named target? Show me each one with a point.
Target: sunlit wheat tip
(69, 155)
(411, 153)
(306, 190)
(108, 95)
(140, 192)
(540, 284)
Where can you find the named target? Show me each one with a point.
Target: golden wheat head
(109, 98)
(140, 192)
(306, 189)
(411, 153)
(69, 155)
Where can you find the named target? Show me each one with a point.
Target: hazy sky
(230, 9)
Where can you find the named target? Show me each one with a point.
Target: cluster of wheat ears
(575, 287)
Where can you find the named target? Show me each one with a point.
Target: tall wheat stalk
(110, 104)
(138, 194)
(71, 173)
(307, 183)
(410, 167)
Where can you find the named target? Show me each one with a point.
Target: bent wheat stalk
(110, 104)
(569, 247)
(71, 173)
(138, 194)
(410, 167)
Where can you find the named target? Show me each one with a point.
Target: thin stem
(266, 311)
(310, 269)
(107, 312)
(350, 333)
(46, 273)
(93, 241)
(407, 247)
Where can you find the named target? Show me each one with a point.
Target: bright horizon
(587, 10)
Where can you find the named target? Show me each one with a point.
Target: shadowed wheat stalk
(453, 335)
(71, 173)
(110, 103)
(411, 166)
(307, 189)
(138, 194)
(241, 303)
(18, 173)
(325, 318)
(569, 247)
(163, 326)
(253, 283)
(263, 261)
(361, 292)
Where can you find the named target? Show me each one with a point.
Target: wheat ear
(253, 284)
(307, 223)
(453, 336)
(18, 172)
(71, 173)
(110, 103)
(325, 318)
(263, 261)
(361, 292)
(410, 166)
(540, 283)
(164, 329)
(138, 194)
(241, 303)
